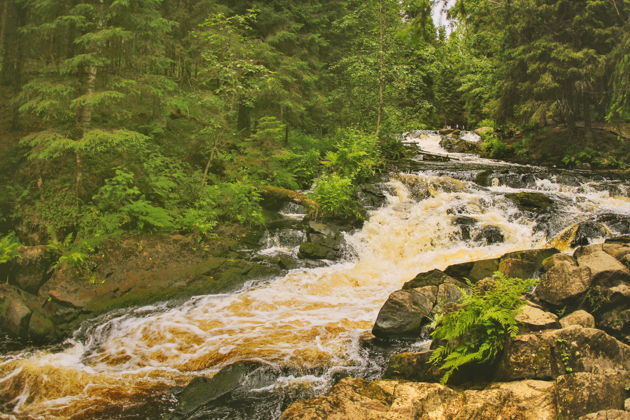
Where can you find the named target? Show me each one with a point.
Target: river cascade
(308, 326)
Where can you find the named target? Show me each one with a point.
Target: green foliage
(237, 202)
(336, 196)
(494, 147)
(565, 356)
(356, 155)
(477, 331)
(595, 298)
(9, 248)
(123, 205)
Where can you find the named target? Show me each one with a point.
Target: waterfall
(310, 321)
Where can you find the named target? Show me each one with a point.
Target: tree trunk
(206, 170)
(588, 130)
(3, 23)
(381, 69)
(86, 122)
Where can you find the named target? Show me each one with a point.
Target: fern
(479, 329)
(9, 248)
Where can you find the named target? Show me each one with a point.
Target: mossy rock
(531, 201)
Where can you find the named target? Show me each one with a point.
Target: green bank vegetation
(136, 116)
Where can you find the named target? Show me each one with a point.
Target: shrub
(494, 146)
(487, 123)
(236, 201)
(356, 156)
(121, 203)
(8, 248)
(336, 197)
(478, 330)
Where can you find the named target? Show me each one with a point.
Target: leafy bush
(494, 146)
(356, 156)
(478, 330)
(236, 201)
(487, 123)
(123, 205)
(336, 197)
(8, 248)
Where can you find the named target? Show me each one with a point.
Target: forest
(178, 116)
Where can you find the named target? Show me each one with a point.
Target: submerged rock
(490, 235)
(323, 242)
(531, 201)
(241, 377)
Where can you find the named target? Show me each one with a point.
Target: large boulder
(616, 322)
(415, 366)
(619, 248)
(579, 317)
(607, 415)
(473, 271)
(551, 353)
(138, 271)
(533, 318)
(523, 264)
(25, 316)
(582, 393)
(323, 242)
(580, 234)
(431, 278)
(33, 267)
(563, 280)
(405, 312)
(606, 270)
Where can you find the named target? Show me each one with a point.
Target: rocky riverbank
(42, 301)
(570, 360)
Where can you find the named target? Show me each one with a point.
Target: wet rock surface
(210, 397)
(530, 201)
(555, 368)
(323, 242)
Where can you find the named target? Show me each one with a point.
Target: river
(308, 323)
